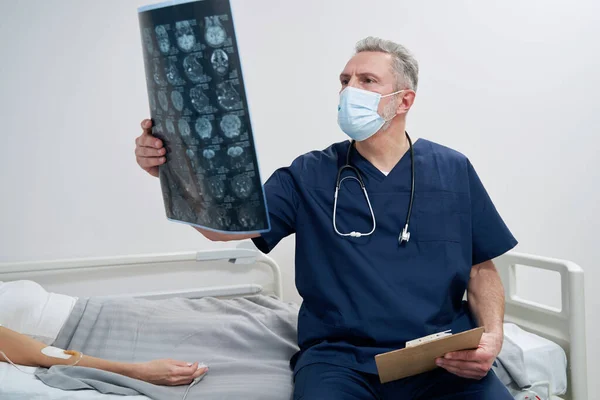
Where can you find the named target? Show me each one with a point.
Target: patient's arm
(23, 350)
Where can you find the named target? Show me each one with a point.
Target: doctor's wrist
(495, 330)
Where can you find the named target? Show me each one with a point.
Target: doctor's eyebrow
(361, 76)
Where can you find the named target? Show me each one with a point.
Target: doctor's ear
(405, 101)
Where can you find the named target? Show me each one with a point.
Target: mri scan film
(198, 105)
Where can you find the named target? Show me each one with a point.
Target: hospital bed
(247, 272)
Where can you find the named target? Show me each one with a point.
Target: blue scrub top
(364, 296)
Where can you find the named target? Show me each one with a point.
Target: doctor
(381, 266)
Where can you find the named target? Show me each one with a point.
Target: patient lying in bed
(247, 342)
(30, 320)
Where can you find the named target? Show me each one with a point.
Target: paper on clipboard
(421, 358)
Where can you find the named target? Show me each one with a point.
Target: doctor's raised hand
(149, 150)
(150, 153)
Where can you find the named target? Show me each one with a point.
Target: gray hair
(404, 64)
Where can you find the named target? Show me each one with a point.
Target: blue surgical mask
(357, 113)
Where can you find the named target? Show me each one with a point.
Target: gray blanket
(247, 343)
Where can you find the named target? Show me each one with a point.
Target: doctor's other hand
(168, 372)
(473, 364)
(149, 151)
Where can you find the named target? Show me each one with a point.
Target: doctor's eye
(344, 82)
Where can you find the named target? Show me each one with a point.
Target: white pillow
(544, 359)
(27, 308)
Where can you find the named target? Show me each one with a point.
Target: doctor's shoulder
(453, 166)
(443, 152)
(316, 168)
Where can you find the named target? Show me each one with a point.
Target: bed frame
(202, 273)
(193, 274)
(564, 325)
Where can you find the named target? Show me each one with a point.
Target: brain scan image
(231, 126)
(247, 217)
(163, 101)
(162, 37)
(214, 33)
(192, 65)
(184, 33)
(177, 100)
(199, 100)
(172, 73)
(242, 186)
(185, 131)
(220, 62)
(216, 187)
(237, 157)
(209, 154)
(235, 151)
(152, 100)
(147, 36)
(170, 126)
(203, 128)
(159, 79)
(210, 160)
(227, 96)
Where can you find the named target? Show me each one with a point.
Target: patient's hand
(473, 364)
(168, 372)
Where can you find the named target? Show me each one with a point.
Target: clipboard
(421, 358)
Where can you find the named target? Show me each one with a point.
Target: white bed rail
(235, 256)
(565, 326)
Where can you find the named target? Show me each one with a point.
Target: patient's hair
(404, 64)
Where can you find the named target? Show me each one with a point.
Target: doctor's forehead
(370, 62)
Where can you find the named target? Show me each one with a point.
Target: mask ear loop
(388, 95)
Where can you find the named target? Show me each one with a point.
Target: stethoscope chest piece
(404, 235)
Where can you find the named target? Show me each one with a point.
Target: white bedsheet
(15, 385)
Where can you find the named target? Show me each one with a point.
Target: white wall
(512, 84)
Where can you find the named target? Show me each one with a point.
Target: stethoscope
(405, 234)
